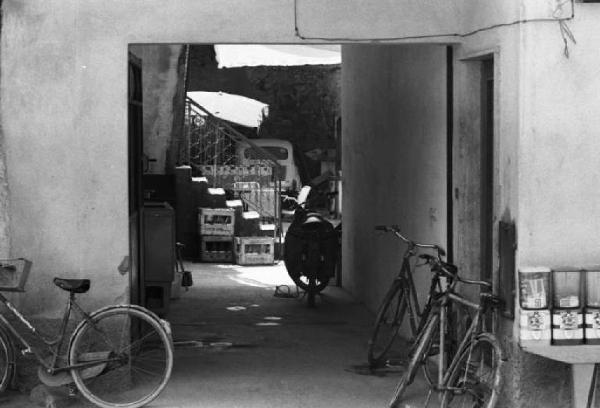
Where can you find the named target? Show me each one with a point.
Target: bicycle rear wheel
(134, 355)
(475, 380)
(387, 324)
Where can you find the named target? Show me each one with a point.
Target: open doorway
(230, 136)
(396, 127)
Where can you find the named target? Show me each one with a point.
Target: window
(280, 153)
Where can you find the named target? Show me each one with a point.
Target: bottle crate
(254, 250)
(216, 248)
(216, 221)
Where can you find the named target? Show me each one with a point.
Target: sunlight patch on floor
(262, 276)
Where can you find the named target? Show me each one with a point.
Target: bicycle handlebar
(396, 230)
(442, 267)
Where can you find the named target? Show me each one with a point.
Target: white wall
(559, 177)
(64, 102)
(412, 20)
(64, 117)
(394, 158)
(64, 88)
(546, 180)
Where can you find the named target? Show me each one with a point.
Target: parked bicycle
(470, 377)
(117, 356)
(401, 299)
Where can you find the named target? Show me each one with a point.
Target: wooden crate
(254, 250)
(216, 221)
(215, 248)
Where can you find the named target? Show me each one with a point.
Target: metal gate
(214, 147)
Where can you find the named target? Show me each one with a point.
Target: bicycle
(117, 356)
(400, 298)
(471, 377)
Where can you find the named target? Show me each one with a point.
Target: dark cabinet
(158, 255)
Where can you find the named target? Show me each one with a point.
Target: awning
(232, 108)
(247, 55)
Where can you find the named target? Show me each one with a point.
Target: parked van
(283, 152)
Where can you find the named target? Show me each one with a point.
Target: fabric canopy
(246, 55)
(232, 108)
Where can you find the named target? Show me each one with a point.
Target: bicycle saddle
(73, 285)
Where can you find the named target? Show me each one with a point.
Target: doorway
(487, 168)
(194, 161)
(398, 163)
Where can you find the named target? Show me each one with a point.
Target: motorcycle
(311, 248)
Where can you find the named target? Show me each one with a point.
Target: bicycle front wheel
(7, 361)
(387, 324)
(134, 356)
(475, 380)
(416, 359)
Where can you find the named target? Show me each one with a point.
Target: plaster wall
(64, 103)
(421, 21)
(559, 205)
(546, 139)
(394, 159)
(72, 66)
(526, 377)
(64, 112)
(558, 177)
(64, 133)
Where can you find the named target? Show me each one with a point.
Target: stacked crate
(254, 241)
(216, 228)
(254, 250)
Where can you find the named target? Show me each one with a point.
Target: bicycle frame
(414, 309)
(412, 305)
(467, 340)
(54, 345)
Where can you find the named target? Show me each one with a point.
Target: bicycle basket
(14, 274)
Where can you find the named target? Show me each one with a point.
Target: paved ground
(237, 345)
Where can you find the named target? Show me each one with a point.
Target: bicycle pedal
(54, 380)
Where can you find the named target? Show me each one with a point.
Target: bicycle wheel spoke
(147, 372)
(137, 342)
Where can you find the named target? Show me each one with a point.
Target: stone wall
(304, 101)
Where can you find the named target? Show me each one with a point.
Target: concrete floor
(237, 345)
